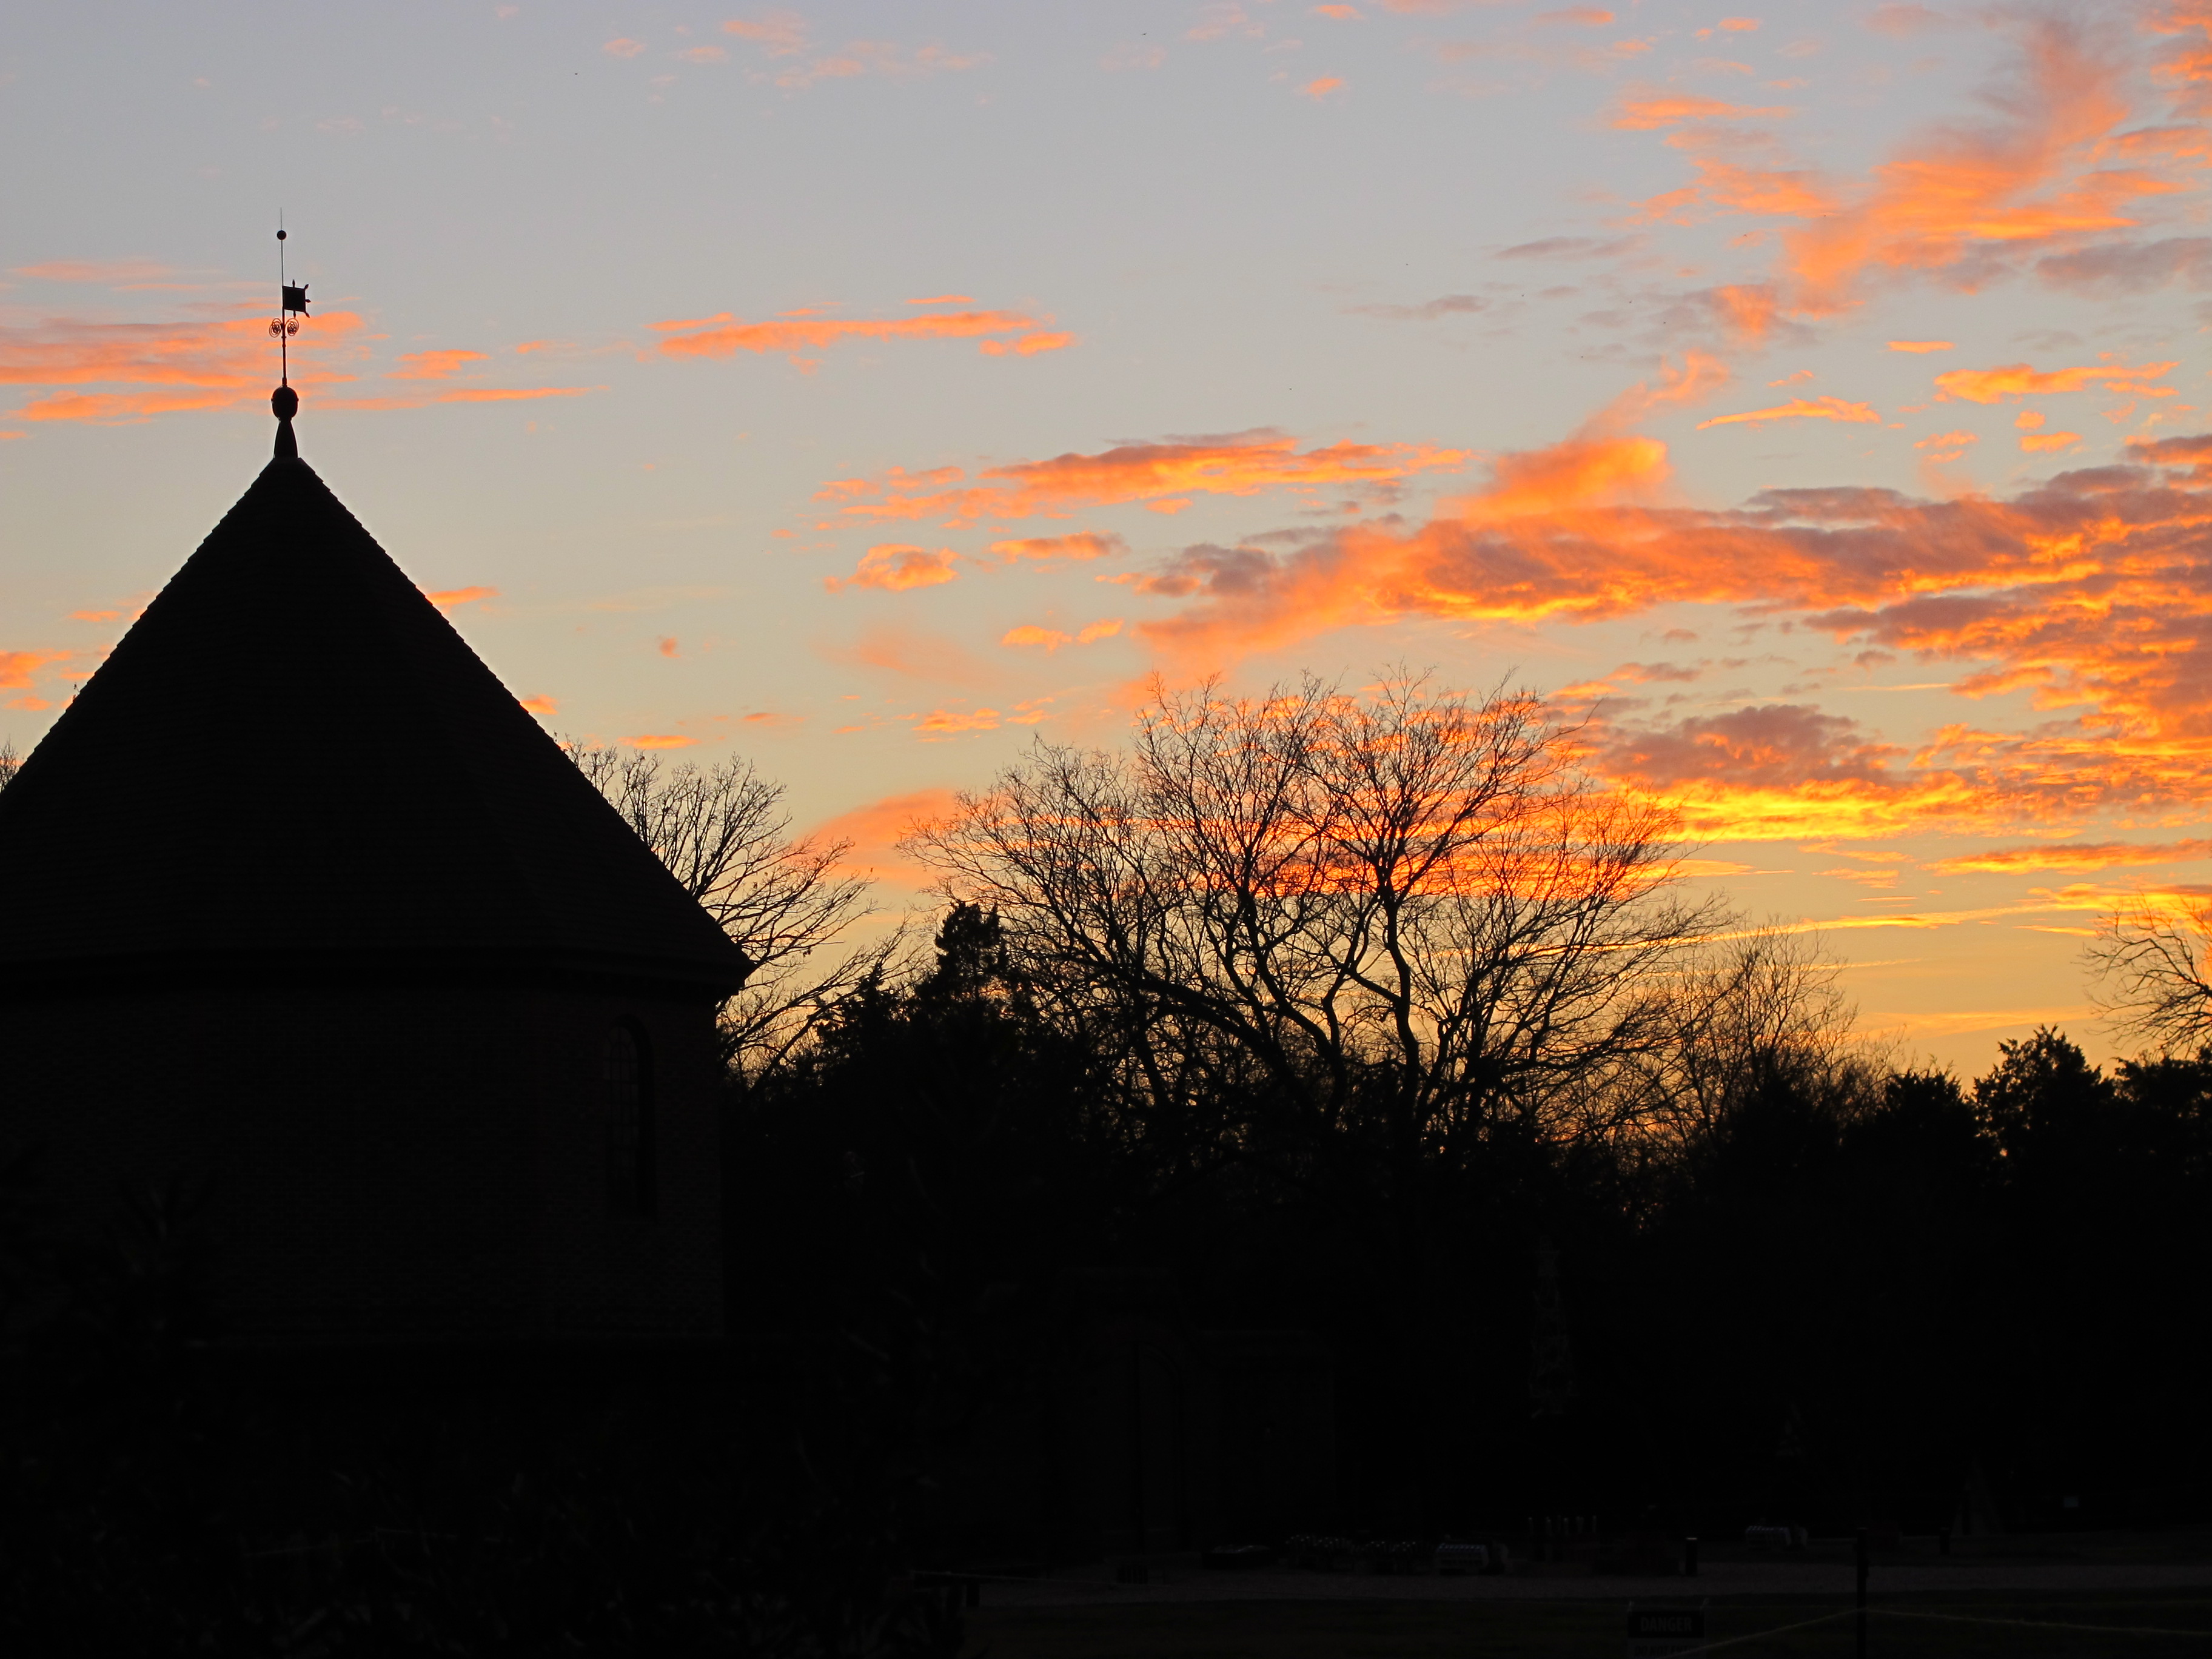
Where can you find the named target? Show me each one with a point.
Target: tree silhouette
(724, 834)
(2156, 956)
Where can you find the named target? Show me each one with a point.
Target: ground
(2016, 1599)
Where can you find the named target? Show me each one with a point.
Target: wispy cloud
(795, 61)
(1962, 201)
(1168, 471)
(1990, 386)
(434, 365)
(2082, 857)
(447, 597)
(1800, 408)
(724, 334)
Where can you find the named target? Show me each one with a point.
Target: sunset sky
(1806, 396)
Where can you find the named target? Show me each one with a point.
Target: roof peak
(305, 761)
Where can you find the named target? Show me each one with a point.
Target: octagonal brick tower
(301, 909)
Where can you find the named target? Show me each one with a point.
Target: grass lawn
(1582, 1630)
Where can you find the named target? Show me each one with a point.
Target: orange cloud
(1589, 17)
(2079, 856)
(544, 705)
(2042, 443)
(1990, 386)
(2187, 65)
(1747, 310)
(212, 364)
(115, 408)
(1239, 464)
(1961, 201)
(1341, 13)
(1800, 408)
(2088, 596)
(1052, 639)
(660, 740)
(1922, 345)
(17, 667)
(1028, 346)
(623, 47)
(446, 598)
(875, 829)
(895, 567)
(433, 365)
(723, 335)
(1947, 446)
(1049, 549)
(1644, 109)
(1321, 86)
(948, 722)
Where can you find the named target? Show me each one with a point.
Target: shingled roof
(293, 756)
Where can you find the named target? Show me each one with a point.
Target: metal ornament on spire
(285, 401)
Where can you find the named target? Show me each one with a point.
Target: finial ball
(280, 235)
(284, 403)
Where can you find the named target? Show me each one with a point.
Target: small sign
(1661, 1632)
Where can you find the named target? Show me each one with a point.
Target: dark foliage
(1827, 1303)
(161, 1496)
(1821, 1302)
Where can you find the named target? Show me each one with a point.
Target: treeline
(1370, 1017)
(1825, 1303)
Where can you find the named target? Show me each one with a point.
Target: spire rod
(284, 401)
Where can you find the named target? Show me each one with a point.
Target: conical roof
(292, 756)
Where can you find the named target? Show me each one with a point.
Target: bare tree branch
(1405, 906)
(2156, 956)
(721, 831)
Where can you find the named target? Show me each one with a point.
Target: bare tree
(1743, 1010)
(2156, 955)
(10, 763)
(723, 833)
(1406, 908)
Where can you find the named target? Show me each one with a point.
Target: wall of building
(379, 1159)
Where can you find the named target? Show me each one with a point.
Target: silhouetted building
(303, 910)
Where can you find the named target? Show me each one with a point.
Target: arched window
(626, 1105)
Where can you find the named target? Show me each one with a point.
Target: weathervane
(284, 401)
